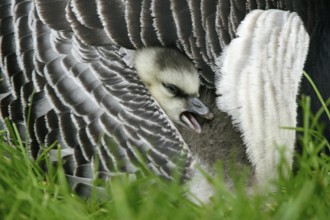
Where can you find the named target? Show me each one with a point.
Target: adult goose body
(175, 85)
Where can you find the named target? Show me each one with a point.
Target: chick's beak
(197, 107)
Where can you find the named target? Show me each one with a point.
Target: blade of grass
(318, 94)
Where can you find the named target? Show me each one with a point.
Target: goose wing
(260, 75)
(66, 80)
(67, 75)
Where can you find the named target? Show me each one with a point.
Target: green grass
(26, 192)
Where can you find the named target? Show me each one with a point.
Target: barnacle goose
(71, 65)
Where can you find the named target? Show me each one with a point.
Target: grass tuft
(26, 192)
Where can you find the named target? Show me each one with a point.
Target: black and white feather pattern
(82, 94)
(68, 61)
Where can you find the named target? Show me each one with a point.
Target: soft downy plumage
(173, 81)
(259, 89)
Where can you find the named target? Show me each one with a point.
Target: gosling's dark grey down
(65, 62)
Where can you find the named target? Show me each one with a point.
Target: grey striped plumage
(85, 97)
(66, 61)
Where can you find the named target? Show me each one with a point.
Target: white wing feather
(258, 85)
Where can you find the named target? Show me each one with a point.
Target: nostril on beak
(197, 105)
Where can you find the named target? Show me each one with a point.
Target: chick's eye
(171, 88)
